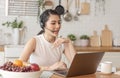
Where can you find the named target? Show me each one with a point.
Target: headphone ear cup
(41, 24)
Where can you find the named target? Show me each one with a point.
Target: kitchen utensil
(67, 16)
(60, 9)
(106, 37)
(103, 6)
(85, 7)
(48, 4)
(95, 40)
(76, 17)
(96, 7)
(100, 7)
(78, 7)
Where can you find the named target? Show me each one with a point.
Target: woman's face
(52, 26)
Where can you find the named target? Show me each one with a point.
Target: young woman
(46, 48)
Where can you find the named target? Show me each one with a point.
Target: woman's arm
(58, 66)
(69, 50)
(28, 49)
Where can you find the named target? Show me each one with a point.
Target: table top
(96, 75)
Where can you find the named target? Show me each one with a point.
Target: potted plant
(16, 26)
(40, 7)
(72, 37)
(84, 40)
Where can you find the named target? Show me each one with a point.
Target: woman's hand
(58, 66)
(60, 41)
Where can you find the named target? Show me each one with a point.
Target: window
(22, 7)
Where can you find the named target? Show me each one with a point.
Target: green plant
(40, 2)
(84, 37)
(40, 8)
(14, 24)
(72, 37)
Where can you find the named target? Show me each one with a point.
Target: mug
(106, 67)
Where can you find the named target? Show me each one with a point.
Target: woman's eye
(59, 22)
(56, 23)
(53, 23)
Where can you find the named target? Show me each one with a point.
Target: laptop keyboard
(63, 72)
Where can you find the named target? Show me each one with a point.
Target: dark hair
(44, 18)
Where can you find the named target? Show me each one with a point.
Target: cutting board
(85, 7)
(106, 37)
(95, 40)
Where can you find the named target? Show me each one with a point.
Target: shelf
(97, 49)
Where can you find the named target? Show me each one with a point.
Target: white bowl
(9, 74)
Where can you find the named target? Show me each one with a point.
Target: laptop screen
(84, 63)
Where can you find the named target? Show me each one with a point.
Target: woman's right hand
(60, 41)
(58, 66)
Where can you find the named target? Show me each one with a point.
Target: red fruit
(35, 67)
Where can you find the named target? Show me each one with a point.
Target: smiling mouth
(56, 32)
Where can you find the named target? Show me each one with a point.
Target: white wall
(86, 24)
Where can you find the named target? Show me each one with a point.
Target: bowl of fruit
(17, 69)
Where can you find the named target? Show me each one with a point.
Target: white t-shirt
(45, 54)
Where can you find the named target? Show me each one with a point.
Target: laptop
(82, 64)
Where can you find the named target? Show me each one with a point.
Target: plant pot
(77, 42)
(84, 42)
(16, 36)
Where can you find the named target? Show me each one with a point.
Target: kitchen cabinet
(1, 58)
(12, 52)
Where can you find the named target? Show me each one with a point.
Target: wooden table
(97, 49)
(96, 75)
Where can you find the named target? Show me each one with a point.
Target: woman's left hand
(58, 66)
(60, 41)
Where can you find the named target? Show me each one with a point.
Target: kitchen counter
(97, 49)
(87, 49)
(1, 48)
